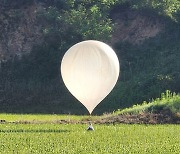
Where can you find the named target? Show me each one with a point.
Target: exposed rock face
(19, 30)
(134, 27)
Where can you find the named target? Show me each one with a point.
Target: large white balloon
(90, 70)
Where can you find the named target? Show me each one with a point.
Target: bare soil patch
(163, 117)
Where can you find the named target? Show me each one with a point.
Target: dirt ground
(163, 117)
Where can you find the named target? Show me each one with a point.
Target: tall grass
(167, 101)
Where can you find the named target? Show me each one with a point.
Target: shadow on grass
(33, 131)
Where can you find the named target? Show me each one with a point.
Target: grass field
(50, 138)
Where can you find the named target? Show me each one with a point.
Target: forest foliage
(147, 69)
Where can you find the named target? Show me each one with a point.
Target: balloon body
(90, 70)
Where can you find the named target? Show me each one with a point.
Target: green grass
(106, 139)
(43, 117)
(168, 101)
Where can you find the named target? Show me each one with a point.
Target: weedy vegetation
(167, 101)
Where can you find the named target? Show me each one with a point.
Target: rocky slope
(20, 29)
(134, 26)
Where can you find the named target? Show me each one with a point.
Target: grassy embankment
(168, 101)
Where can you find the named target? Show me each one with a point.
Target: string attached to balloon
(90, 70)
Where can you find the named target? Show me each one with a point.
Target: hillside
(159, 111)
(35, 35)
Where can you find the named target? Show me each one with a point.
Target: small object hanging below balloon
(90, 70)
(90, 127)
